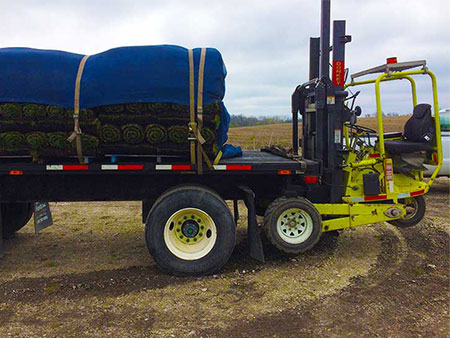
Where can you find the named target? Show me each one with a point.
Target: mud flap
(1, 235)
(254, 234)
(42, 216)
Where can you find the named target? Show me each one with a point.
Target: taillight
(284, 172)
(310, 179)
(16, 172)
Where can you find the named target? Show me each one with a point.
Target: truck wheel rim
(294, 226)
(411, 207)
(190, 234)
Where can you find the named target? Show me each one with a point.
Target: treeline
(248, 121)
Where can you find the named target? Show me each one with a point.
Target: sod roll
(12, 140)
(133, 134)
(59, 141)
(10, 111)
(136, 107)
(180, 108)
(55, 112)
(37, 140)
(208, 135)
(178, 134)
(116, 108)
(34, 111)
(110, 134)
(47, 125)
(155, 133)
(158, 107)
(88, 142)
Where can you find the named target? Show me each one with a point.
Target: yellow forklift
(367, 176)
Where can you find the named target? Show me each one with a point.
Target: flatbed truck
(331, 180)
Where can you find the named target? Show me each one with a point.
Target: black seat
(418, 133)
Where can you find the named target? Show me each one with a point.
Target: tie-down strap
(196, 118)
(76, 134)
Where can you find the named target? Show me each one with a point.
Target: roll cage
(399, 71)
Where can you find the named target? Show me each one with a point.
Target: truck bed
(256, 161)
(144, 178)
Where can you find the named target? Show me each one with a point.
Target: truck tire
(292, 225)
(14, 217)
(415, 211)
(190, 231)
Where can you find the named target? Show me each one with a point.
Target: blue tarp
(120, 75)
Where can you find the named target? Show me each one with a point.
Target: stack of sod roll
(42, 131)
(126, 129)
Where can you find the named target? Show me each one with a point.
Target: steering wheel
(360, 129)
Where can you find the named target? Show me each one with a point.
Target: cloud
(264, 43)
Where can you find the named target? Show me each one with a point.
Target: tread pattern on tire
(14, 221)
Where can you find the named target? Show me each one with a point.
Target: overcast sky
(264, 43)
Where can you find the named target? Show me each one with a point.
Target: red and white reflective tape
(411, 194)
(232, 167)
(384, 197)
(179, 167)
(70, 167)
(122, 166)
(369, 198)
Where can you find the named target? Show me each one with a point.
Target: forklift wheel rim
(412, 206)
(190, 234)
(294, 226)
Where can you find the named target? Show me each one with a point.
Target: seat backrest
(420, 126)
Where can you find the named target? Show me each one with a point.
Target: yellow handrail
(406, 75)
(392, 77)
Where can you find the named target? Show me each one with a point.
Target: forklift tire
(190, 231)
(14, 217)
(292, 225)
(415, 212)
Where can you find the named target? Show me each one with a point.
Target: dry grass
(92, 245)
(253, 138)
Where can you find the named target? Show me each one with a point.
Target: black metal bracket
(254, 234)
(236, 211)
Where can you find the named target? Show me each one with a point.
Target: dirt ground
(91, 275)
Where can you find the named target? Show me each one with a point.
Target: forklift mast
(321, 103)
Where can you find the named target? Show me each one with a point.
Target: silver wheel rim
(190, 234)
(294, 226)
(411, 207)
